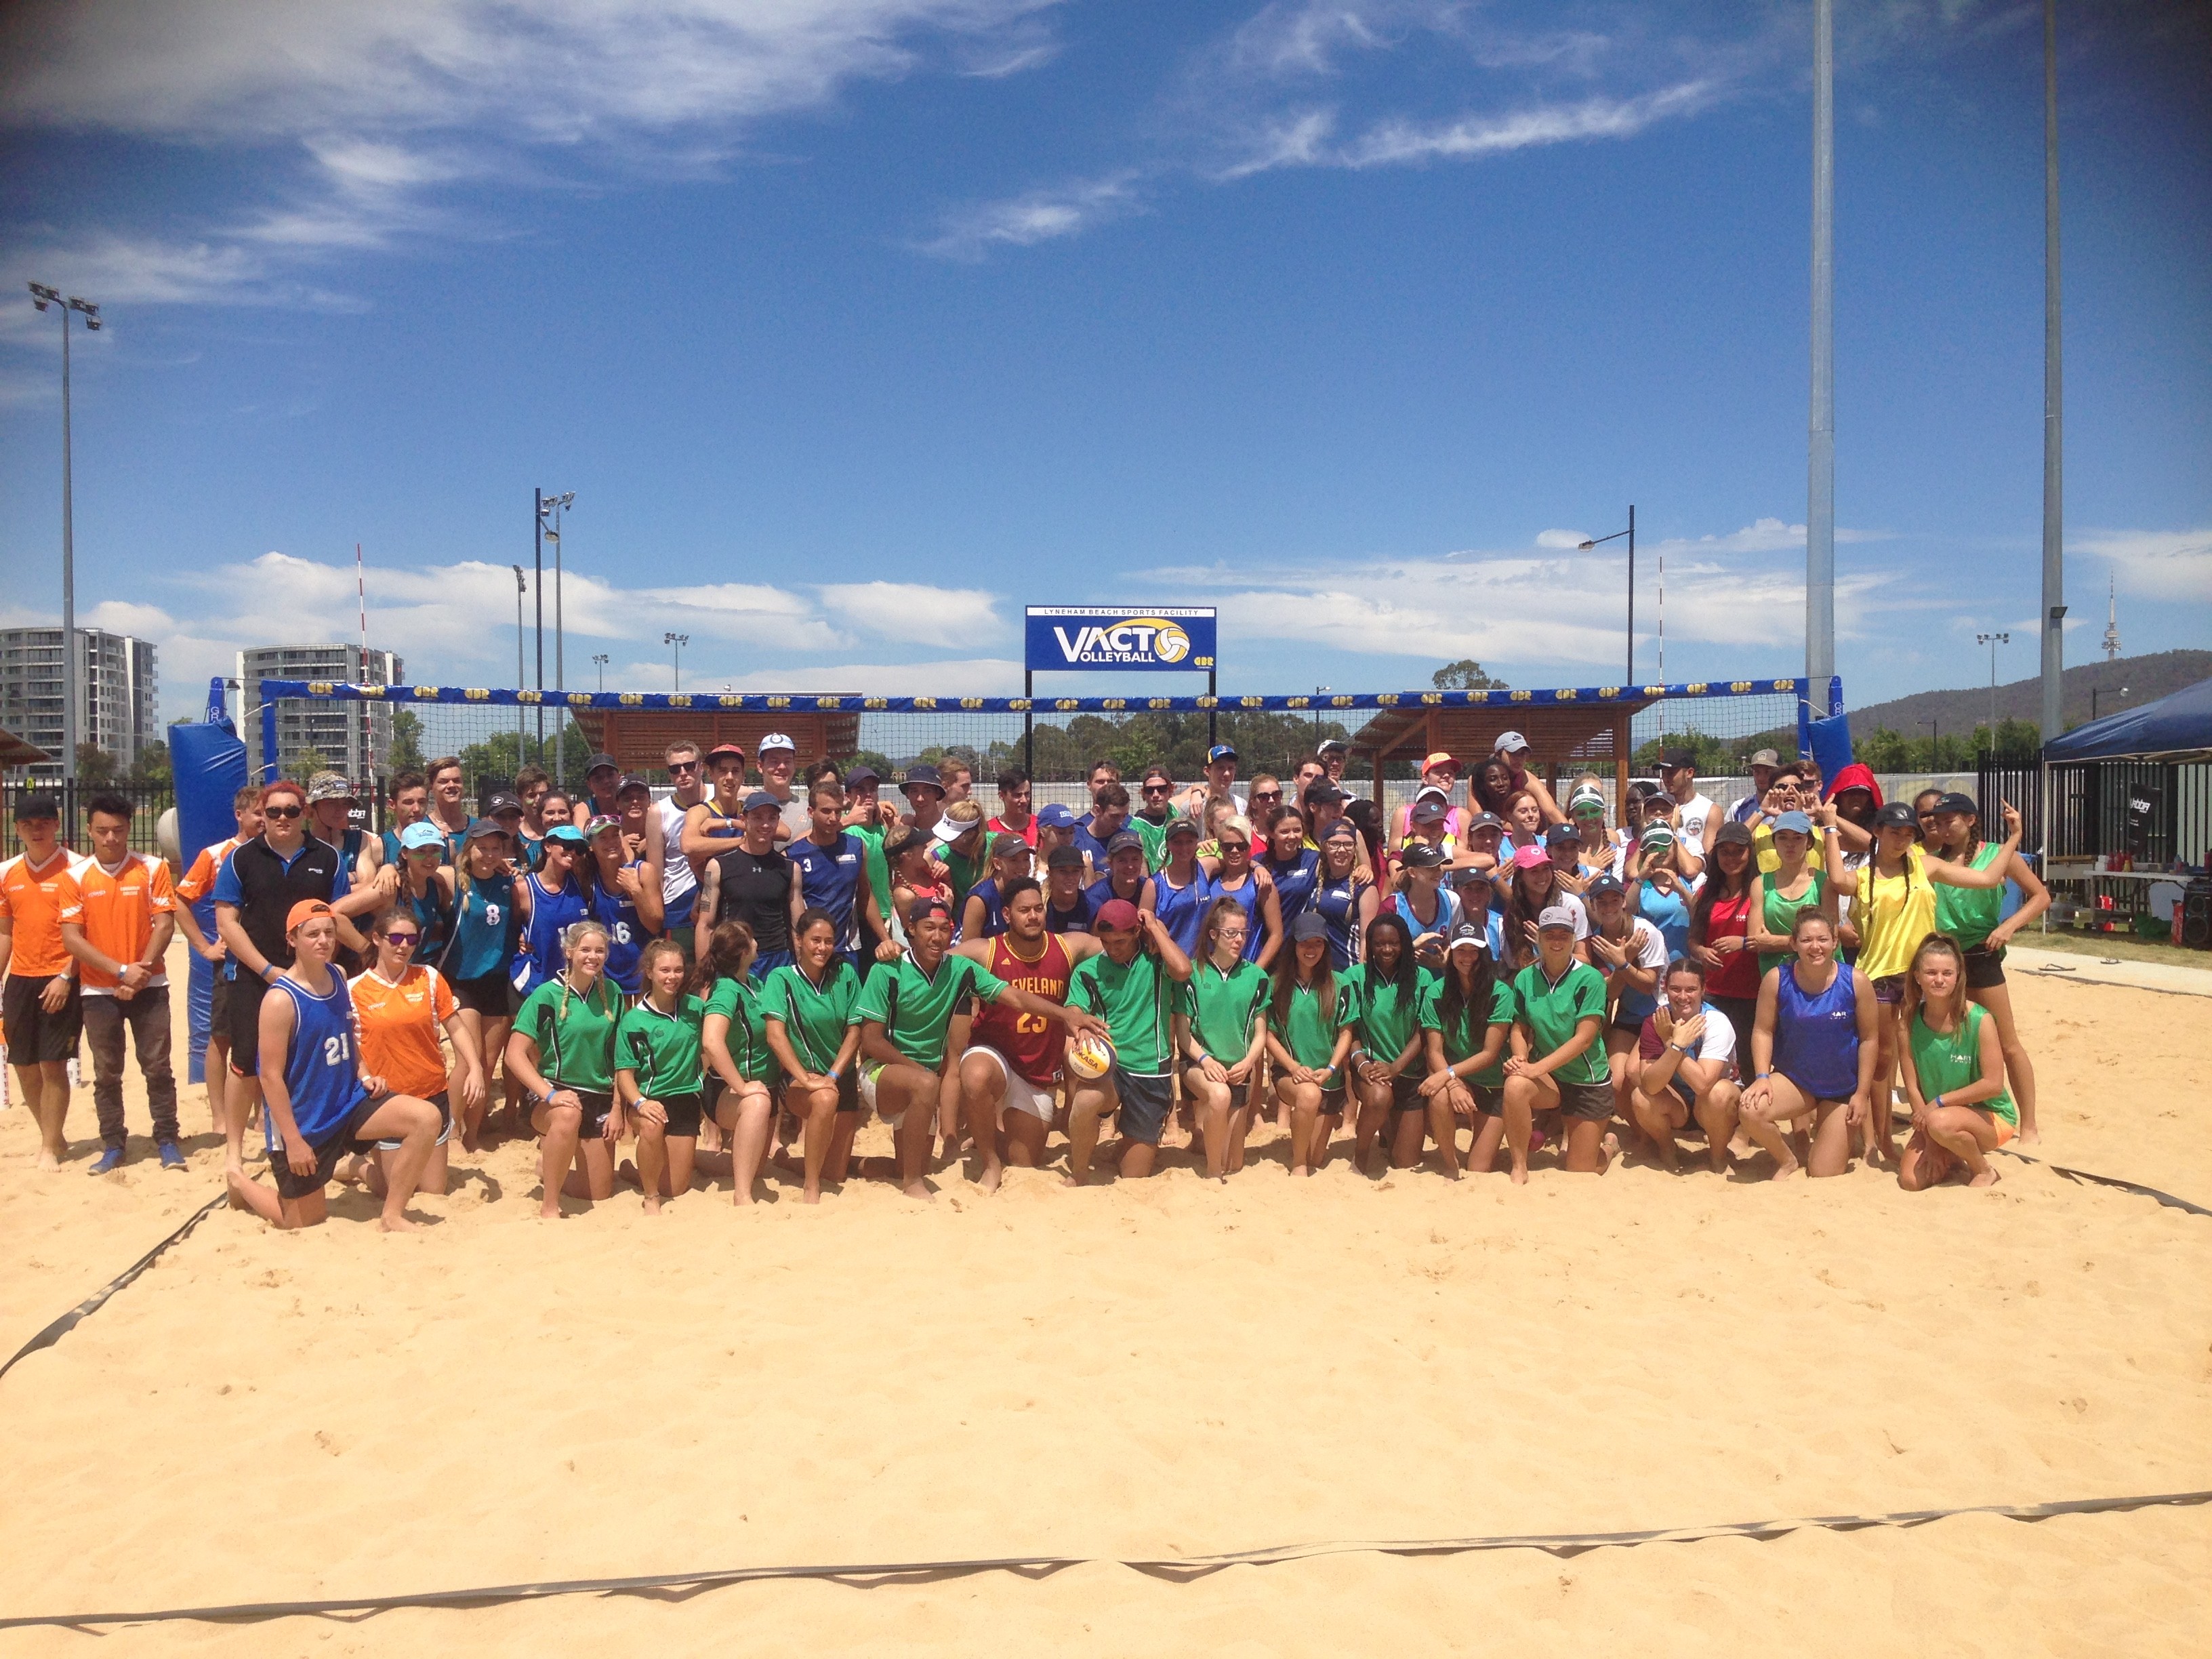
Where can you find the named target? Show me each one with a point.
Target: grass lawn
(2126, 947)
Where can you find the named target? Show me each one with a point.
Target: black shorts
(491, 995)
(1590, 1102)
(35, 1036)
(219, 1008)
(1332, 1101)
(346, 1137)
(445, 1122)
(1406, 1093)
(1489, 1098)
(1984, 968)
(683, 1114)
(1145, 1101)
(245, 994)
(596, 1107)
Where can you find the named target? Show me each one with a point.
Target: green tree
(1465, 675)
(406, 742)
(153, 765)
(95, 767)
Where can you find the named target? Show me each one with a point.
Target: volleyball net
(1612, 732)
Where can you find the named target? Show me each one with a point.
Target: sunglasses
(1267, 794)
(401, 939)
(676, 767)
(282, 811)
(1235, 846)
(1159, 789)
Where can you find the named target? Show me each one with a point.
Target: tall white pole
(2054, 448)
(70, 690)
(1821, 456)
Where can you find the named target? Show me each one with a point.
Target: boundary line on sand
(1175, 1570)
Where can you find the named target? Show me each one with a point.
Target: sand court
(1155, 1368)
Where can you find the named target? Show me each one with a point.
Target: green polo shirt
(662, 1049)
(914, 1008)
(1550, 1014)
(1465, 1035)
(1133, 1003)
(1385, 1015)
(575, 1035)
(877, 866)
(815, 1017)
(1223, 1009)
(1310, 1032)
(738, 1001)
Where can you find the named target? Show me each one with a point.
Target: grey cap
(1555, 915)
(1766, 757)
(1309, 924)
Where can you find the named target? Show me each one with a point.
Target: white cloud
(1037, 216)
(1560, 539)
(2160, 564)
(916, 613)
(972, 676)
(1398, 142)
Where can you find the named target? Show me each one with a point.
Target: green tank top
(1967, 914)
(1780, 915)
(1945, 1063)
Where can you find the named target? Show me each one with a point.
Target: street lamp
(2093, 699)
(1631, 533)
(679, 641)
(1993, 640)
(600, 658)
(521, 583)
(42, 296)
(553, 506)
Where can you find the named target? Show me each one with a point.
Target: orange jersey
(199, 880)
(399, 1025)
(31, 902)
(117, 912)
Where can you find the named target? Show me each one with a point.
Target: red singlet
(1032, 1044)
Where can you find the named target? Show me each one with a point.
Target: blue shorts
(1144, 1103)
(769, 960)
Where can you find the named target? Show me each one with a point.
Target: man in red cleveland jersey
(1014, 1059)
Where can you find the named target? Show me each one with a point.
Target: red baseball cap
(1117, 913)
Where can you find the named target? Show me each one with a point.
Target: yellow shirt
(1895, 913)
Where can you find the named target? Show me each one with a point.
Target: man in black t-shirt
(750, 883)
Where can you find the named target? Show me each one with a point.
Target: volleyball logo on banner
(1067, 637)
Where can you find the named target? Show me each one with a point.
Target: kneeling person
(319, 1104)
(1688, 1049)
(1126, 984)
(660, 1075)
(1012, 1071)
(1557, 1063)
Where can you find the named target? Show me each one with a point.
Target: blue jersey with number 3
(321, 1072)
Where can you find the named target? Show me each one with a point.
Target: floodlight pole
(1993, 640)
(538, 543)
(558, 505)
(521, 583)
(1599, 541)
(676, 666)
(1821, 448)
(42, 296)
(2054, 446)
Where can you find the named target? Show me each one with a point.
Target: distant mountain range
(2146, 679)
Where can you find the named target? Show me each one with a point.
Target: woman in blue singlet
(1293, 867)
(1813, 1051)
(553, 897)
(1179, 892)
(319, 1107)
(490, 907)
(1234, 877)
(622, 899)
(1345, 900)
(422, 888)
(1429, 912)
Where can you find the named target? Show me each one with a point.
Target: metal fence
(2158, 814)
(148, 802)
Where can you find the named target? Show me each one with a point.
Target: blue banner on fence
(1061, 638)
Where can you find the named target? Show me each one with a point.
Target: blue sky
(857, 324)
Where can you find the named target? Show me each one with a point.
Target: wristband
(270, 972)
(1936, 1103)
(831, 1073)
(1762, 1076)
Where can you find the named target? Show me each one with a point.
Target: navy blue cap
(1309, 924)
(923, 772)
(1220, 751)
(758, 799)
(1604, 884)
(1561, 835)
(1123, 840)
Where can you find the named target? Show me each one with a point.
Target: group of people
(735, 972)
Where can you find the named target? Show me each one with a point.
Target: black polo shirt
(265, 887)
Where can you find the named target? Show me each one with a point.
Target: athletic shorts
(596, 1107)
(219, 1006)
(491, 995)
(346, 1137)
(1589, 1103)
(1489, 1098)
(1022, 1095)
(1406, 1093)
(1889, 990)
(247, 992)
(1145, 1101)
(768, 961)
(1985, 968)
(445, 1123)
(685, 1112)
(34, 1036)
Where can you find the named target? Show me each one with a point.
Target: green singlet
(1954, 1061)
(1780, 915)
(1968, 914)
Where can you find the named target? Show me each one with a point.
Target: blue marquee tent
(2174, 728)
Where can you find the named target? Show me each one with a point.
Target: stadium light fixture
(521, 587)
(552, 507)
(600, 658)
(1993, 640)
(43, 296)
(679, 641)
(1584, 547)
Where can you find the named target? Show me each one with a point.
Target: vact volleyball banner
(1065, 637)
